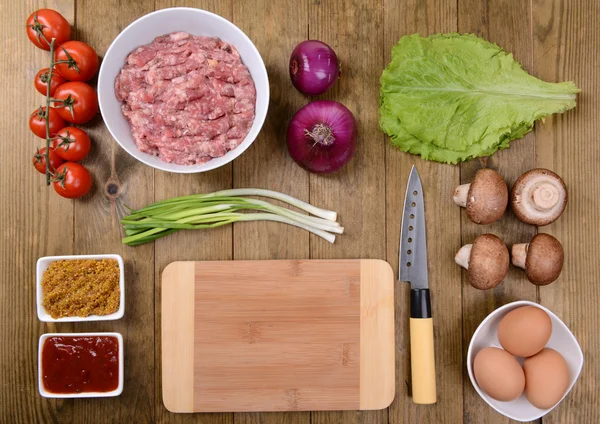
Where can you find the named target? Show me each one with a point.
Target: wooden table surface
(555, 40)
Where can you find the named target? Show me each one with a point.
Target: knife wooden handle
(421, 348)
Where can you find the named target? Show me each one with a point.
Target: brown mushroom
(542, 258)
(538, 197)
(485, 198)
(486, 261)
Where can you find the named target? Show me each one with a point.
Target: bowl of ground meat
(183, 90)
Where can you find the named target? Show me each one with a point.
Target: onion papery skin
(314, 67)
(329, 154)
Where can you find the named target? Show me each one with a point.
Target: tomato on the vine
(72, 144)
(39, 160)
(79, 102)
(41, 81)
(37, 121)
(77, 61)
(72, 180)
(45, 24)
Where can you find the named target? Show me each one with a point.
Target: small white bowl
(115, 392)
(561, 340)
(143, 31)
(43, 264)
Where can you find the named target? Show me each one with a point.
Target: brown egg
(499, 374)
(547, 378)
(525, 331)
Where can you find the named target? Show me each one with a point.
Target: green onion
(211, 210)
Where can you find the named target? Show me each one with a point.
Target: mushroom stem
(519, 254)
(545, 196)
(463, 256)
(460, 195)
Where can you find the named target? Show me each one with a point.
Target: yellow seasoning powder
(81, 287)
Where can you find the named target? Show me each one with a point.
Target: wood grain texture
(490, 20)
(377, 349)
(291, 326)
(353, 29)
(190, 245)
(422, 361)
(34, 220)
(553, 39)
(443, 238)
(278, 335)
(97, 230)
(275, 28)
(566, 38)
(267, 164)
(177, 342)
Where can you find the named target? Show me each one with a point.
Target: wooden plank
(35, 221)
(267, 164)
(489, 20)
(275, 28)
(177, 327)
(443, 238)
(377, 358)
(354, 30)
(265, 352)
(278, 335)
(97, 230)
(566, 40)
(213, 244)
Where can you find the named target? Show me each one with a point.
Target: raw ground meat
(187, 98)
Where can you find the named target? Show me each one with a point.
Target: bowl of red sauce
(80, 365)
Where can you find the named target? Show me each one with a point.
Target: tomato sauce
(80, 364)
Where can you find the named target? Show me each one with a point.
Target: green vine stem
(39, 29)
(47, 115)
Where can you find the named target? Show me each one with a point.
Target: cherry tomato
(80, 102)
(72, 180)
(39, 160)
(41, 81)
(81, 61)
(37, 123)
(72, 144)
(45, 24)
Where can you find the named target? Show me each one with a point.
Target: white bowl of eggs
(523, 360)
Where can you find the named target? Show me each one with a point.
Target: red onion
(321, 136)
(314, 67)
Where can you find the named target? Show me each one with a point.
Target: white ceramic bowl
(165, 21)
(561, 340)
(43, 264)
(115, 392)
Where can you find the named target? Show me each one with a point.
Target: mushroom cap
(544, 261)
(488, 264)
(487, 198)
(524, 192)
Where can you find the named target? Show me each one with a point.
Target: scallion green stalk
(203, 211)
(322, 213)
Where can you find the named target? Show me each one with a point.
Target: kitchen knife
(413, 269)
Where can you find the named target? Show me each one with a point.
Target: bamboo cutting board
(285, 335)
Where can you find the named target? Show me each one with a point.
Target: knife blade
(413, 243)
(413, 269)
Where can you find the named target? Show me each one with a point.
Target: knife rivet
(410, 228)
(408, 252)
(408, 264)
(413, 204)
(412, 216)
(415, 192)
(409, 240)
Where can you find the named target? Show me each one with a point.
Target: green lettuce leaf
(453, 97)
